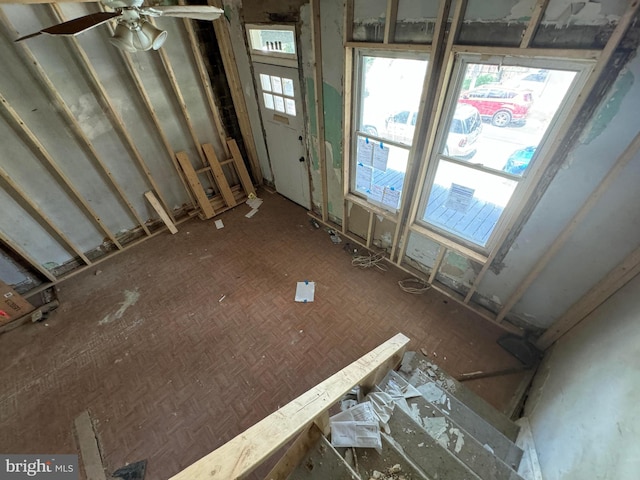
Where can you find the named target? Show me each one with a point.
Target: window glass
(276, 84)
(279, 103)
(290, 106)
(287, 87)
(268, 100)
(273, 41)
(265, 82)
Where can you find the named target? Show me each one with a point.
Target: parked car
(499, 104)
(463, 132)
(519, 160)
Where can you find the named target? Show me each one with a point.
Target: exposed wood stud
(535, 175)
(221, 180)
(31, 62)
(160, 211)
(348, 21)
(436, 266)
(316, 41)
(137, 80)
(43, 154)
(392, 47)
(370, 229)
(610, 284)
(529, 52)
(36, 208)
(237, 92)
(206, 81)
(347, 108)
(196, 186)
(390, 21)
(295, 453)
(534, 23)
(439, 79)
(111, 110)
(26, 257)
(245, 180)
(550, 252)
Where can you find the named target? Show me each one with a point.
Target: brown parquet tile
(179, 373)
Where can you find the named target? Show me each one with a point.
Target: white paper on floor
(219, 224)
(254, 203)
(251, 213)
(356, 427)
(305, 291)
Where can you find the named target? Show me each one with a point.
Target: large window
(387, 94)
(496, 121)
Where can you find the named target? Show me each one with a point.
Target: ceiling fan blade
(197, 12)
(77, 25)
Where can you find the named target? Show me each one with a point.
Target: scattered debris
(333, 235)
(133, 471)
(205, 257)
(392, 473)
(222, 298)
(219, 224)
(251, 213)
(305, 291)
(313, 223)
(98, 272)
(356, 427)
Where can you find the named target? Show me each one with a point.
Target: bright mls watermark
(47, 467)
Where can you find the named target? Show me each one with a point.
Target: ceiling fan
(133, 31)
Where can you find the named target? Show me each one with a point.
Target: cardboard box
(12, 305)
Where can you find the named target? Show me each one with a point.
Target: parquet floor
(169, 372)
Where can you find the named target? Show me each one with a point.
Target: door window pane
(268, 100)
(290, 106)
(287, 87)
(390, 96)
(276, 84)
(279, 103)
(265, 81)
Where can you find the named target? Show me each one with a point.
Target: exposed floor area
(171, 370)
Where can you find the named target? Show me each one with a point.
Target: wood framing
(390, 21)
(44, 155)
(111, 110)
(43, 216)
(89, 450)
(605, 288)
(237, 93)
(529, 52)
(295, 453)
(436, 266)
(536, 17)
(48, 86)
(348, 21)
(347, 108)
(27, 258)
(550, 252)
(160, 211)
(221, 180)
(450, 244)
(241, 169)
(370, 229)
(240, 456)
(196, 186)
(536, 174)
(206, 82)
(391, 47)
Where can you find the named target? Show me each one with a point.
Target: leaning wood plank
(196, 186)
(221, 180)
(89, 448)
(160, 211)
(245, 180)
(240, 456)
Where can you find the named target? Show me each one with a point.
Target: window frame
(514, 206)
(356, 119)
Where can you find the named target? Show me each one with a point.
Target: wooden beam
(240, 456)
(39, 73)
(347, 108)
(551, 251)
(391, 47)
(137, 80)
(436, 266)
(223, 38)
(348, 21)
(89, 450)
(206, 81)
(562, 53)
(390, 21)
(44, 155)
(160, 211)
(437, 84)
(370, 229)
(196, 186)
(245, 180)
(44, 217)
(596, 296)
(26, 257)
(534, 23)
(221, 180)
(295, 453)
(411, 185)
(538, 171)
(316, 42)
(111, 110)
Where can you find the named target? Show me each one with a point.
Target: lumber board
(196, 186)
(245, 179)
(218, 174)
(160, 211)
(240, 456)
(89, 450)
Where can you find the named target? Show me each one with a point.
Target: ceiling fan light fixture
(141, 41)
(156, 35)
(123, 38)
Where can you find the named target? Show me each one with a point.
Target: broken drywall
(583, 402)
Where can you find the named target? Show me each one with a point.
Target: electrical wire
(416, 286)
(368, 261)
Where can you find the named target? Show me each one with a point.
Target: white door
(280, 101)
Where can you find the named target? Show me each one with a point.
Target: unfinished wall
(583, 404)
(105, 173)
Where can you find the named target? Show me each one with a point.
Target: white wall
(583, 407)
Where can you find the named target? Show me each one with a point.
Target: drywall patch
(610, 108)
(90, 116)
(130, 299)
